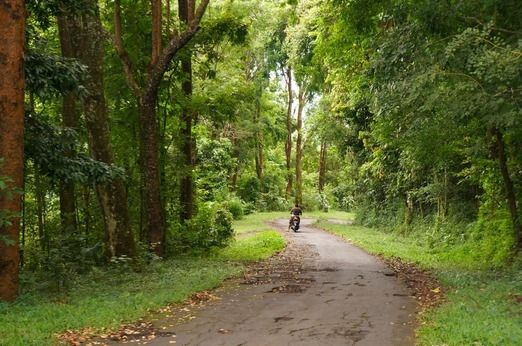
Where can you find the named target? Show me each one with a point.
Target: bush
(211, 227)
(222, 232)
(235, 207)
(271, 202)
(249, 189)
(491, 239)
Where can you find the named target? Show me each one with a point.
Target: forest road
(328, 293)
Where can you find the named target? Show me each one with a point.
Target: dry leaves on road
(426, 288)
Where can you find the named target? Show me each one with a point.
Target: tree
(12, 27)
(112, 195)
(300, 41)
(69, 119)
(440, 82)
(301, 98)
(146, 95)
(187, 190)
(81, 39)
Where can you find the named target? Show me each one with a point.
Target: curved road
(339, 296)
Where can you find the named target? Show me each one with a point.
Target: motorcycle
(294, 223)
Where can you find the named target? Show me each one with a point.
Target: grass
(254, 248)
(256, 222)
(480, 309)
(108, 298)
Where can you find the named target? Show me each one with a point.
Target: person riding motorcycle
(296, 212)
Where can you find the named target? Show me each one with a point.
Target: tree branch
(176, 43)
(199, 12)
(156, 31)
(128, 68)
(478, 21)
(191, 5)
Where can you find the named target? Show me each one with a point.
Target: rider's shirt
(296, 211)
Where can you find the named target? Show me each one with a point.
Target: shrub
(271, 202)
(211, 227)
(235, 207)
(491, 238)
(223, 231)
(249, 189)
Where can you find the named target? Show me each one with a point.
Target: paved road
(339, 296)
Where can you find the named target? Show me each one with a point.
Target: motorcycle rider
(296, 212)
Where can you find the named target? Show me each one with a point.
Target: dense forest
(134, 130)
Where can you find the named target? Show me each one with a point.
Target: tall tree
(301, 97)
(12, 30)
(85, 30)
(258, 138)
(322, 165)
(111, 195)
(66, 28)
(146, 94)
(187, 198)
(288, 143)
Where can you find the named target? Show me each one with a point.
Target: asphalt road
(336, 295)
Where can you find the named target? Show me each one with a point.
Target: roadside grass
(105, 299)
(253, 248)
(481, 306)
(256, 222)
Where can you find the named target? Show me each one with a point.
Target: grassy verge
(481, 306)
(106, 299)
(256, 222)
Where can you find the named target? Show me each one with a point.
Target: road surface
(321, 291)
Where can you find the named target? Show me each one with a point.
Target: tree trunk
(322, 165)
(508, 186)
(154, 213)
(288, 144)
(235, 170)
(258, 137)
(409, 210)
(299, 149)
(87, 210)
(187, 189)
(12, 31)
(187, 200)
(112, 195)
(66, 28)
(40, 210)
(156, 31)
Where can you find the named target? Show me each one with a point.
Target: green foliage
(42, 12)
(491, 238)
(49, 76)
(236, 207)
(215, 161)
(249, 189)
(211, 227)
(67, 256)
(51, 149)
(417, 98)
